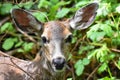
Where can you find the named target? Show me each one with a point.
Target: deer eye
(44, 39)
(68, 39)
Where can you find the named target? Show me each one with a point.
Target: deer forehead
(55, 30)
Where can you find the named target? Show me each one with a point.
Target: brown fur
(16, 69)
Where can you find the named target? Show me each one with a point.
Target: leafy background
(94, 52)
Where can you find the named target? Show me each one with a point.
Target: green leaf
(19, 44)
(55, 8)
(81, 3)
(4, 27)
(85, 48)
(95, 33)
(96, 36)
(107, 78)
(8, 43)
(79, 62)
(69, 78)
(5, 8)
(7, 27)
(28, 46)
(107, 57)
(102, 68)
(54, 1)
(44, 3)
(116, 41)
(95, 27)
(119, 62)
(62, 13)
(111, 56)
(91, 54)
(118, 9)
(79, 70)
(28, 5)
(86, 61)
(41, 16)
(104, 9)
(20, 50)
(107, 29)
(74, 40)
(79, 67)
(100, 53)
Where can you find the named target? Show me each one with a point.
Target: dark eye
(44, 39)
(68, 39)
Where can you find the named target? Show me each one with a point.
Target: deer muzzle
(59, 63)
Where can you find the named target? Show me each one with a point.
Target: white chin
(57, 70)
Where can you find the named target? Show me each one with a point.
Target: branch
(88, 78)
(4, 20)
(77, 43)
(115, 50)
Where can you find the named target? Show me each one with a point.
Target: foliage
(79, 66)
(96, 52)
(8, 43)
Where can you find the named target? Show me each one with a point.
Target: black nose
(59, 63)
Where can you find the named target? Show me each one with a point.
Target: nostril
(59, 63)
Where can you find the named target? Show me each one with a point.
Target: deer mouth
(59, 67)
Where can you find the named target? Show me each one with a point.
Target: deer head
(55, 34)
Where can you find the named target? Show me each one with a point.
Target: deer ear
(25, 21)
(84, 17)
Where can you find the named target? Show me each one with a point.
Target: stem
(115, 23)
(96, 44)
(93, 72)
(109, 72)
(116, 65)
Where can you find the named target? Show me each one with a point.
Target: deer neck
(42, 66)
(42, 62)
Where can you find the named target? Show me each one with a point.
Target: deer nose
(59, 63)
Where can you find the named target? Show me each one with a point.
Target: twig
(72, 71)
(4, 54)
(88, 78)
(77, 43)
(4, 20)
(41, 14)
(12, 52)
(116, 64)
(25, 34)
(2, 37)
(115, 50)
(73, 75)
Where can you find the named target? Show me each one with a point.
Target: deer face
(56, 34)
(56, 37)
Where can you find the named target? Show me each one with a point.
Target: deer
(50, 62)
